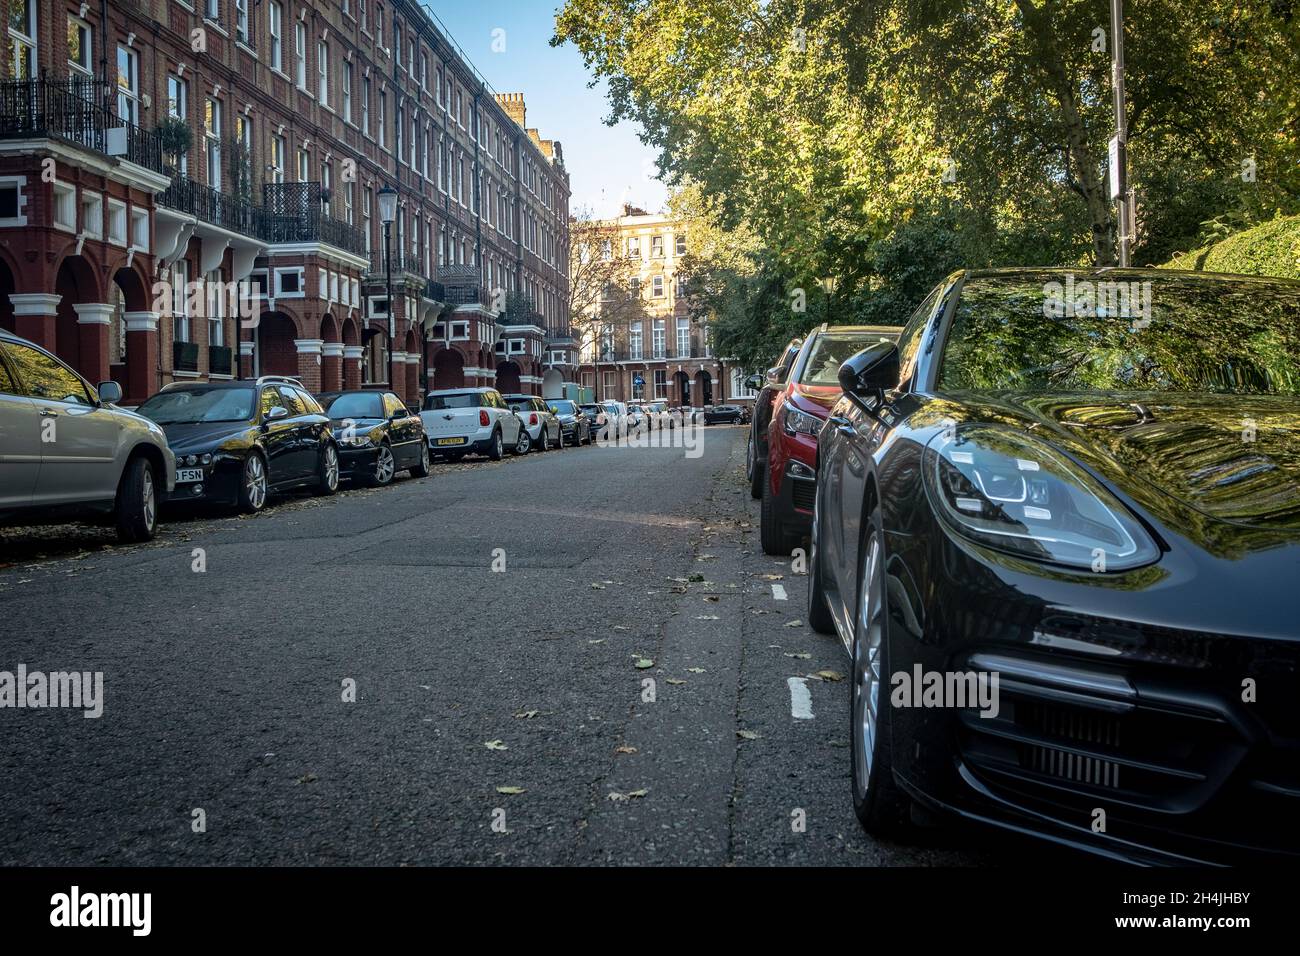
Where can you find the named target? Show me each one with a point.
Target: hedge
(1270, 249)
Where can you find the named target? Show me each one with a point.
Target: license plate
(451, 441)
(189, 474)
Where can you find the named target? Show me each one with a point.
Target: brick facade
(298, 114)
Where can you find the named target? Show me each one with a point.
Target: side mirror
(554, 410)
(754, 383)
(110, 393)
(775, 375)
(400, 413)
(276, 413)
(869, 373)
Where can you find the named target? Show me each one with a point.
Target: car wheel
(773, 537)
(253, 485)
(819, 612)
(497, 452)
(136, 510)
(421, 467)
(385, 467)
(881, 808)
(327, 474)
(543, 439)
(524, 444)
(559, 442)
(755, 471)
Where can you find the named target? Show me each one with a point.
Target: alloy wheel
(384, 465)
(149, 505)
(331, 468)
(255, 482)
(867, 663)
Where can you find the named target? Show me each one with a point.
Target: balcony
(462, 285)
(295, 213)
(207, 204)
(76, 110)
(520, 310)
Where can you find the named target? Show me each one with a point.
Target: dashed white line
(778, 592)
(800, 698)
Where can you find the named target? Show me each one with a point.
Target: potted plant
(175, 137)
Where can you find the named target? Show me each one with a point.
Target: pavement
(348, 680)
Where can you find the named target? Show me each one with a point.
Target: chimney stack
(513, 104)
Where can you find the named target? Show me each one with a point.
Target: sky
(607, 165)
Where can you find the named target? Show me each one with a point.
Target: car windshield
(563, 407)
(354, 405)
(1176, 334)
(592, 409)
(433, 403)
(194, 405)
(830, 350)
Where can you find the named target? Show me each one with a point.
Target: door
(511, 424)
(403, 431)
(78, 437)
(306, 429)
(278, 438)
(20, 443)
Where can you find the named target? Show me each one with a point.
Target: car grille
(803, 493)
(1159, 755)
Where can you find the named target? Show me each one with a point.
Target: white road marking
(800, 698)
(778, 592)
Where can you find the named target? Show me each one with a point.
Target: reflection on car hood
(203, 437)
(824, 395)
(1231, 457)
(361, 424)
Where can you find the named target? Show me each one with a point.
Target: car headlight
(797, 422)
(1008, 491)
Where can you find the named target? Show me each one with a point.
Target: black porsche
(1057, 528)
(378, 435)
(236, 442)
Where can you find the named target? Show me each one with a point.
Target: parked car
(798, 412)
(767, 386)
(597, 415)
(723, 415)
(616, 413)
(541, 424)
(67, 452)
(377, 434)
(577, 427)
(237, 442)
(1100, 507)
(463, 421)
(636, 417)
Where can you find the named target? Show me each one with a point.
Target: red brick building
(189, 190)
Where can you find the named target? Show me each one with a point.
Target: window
(415, 136)
(424, 71)
(277, 159)
(46, 378)
(634, 341)
(399, 124)
(683, 337)
(681, 245)
(276, 16)
(128, 85)
(323, 72)
(349, 196)
(65, 206)
(22, 39)
(180, 303)
(92, 215)
(212, 141)
(210, 9)
(300, 52)
(657, 247)
(347, 92)
(657, 287)
(365, 105)
(326, 186)
(634, 247)
(659, 333)
(116, 221)
(661, 383)
(216, 308)
(289, 283)
(241, 21)
(304, 165)
(79, 46)
(383, 116)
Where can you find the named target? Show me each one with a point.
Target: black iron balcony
(205, 203)
(435, 290)
(185, 357)
(220, 360)
(294, 212)
(462, 285)
(77, 110)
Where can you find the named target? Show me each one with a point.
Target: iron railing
(185, 356)
(294, 212)
(211, 206)
(220, 360)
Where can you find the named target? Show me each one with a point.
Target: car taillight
(532, 419)
(483, 418)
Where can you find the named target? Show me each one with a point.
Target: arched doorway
(552, 384)
(682, 388)
(331, 362)
(376, 360)
(704, 388)
(448, 369)
(508, 378)
(275, 351)
(133, 351)
(75, 284)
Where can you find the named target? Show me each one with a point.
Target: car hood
(824, 395)
(202, 437)
(1229, 457)
(361, 424)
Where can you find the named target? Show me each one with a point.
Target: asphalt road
(224, 688)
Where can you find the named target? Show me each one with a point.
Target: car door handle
(50, 412)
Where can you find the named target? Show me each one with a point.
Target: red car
(767, 387)
(798, 413)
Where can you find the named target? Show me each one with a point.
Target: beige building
(642, 344)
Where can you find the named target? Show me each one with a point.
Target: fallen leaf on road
(675, 681)
(772, 577)
(599, 640)
(711, 597)
(625, 749)
(695, 670)
(526, 714)
(495, 745)
(695, 578)
(707, 617)
(307, 778)
(598, 587)
(630, 795)
(795, 623)
(830, 675)
(511, 791)
(746, 735)
(798, 657)
(644, 664)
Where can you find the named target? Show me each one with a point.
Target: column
(352, 366)
(34, 316)
(309, 362)
(412, 377)
(245, 358)
(93, 323)
(141, 356)
(331, 367)
(397, 374)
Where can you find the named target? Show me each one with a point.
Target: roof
(1113, 274)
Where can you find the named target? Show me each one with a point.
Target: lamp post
(387, 213)
(829, 285)
(1119, 143)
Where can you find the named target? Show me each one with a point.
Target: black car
(236, 442)
(767, 386)
(577, 426)
(1057, 528)
(377, 434)
(723, 415)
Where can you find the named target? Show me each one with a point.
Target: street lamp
(387, 213)
(829, 284)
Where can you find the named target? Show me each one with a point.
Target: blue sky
(607, 165)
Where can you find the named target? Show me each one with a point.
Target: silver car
(66, 451)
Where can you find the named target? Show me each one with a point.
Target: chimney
(513, 104)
